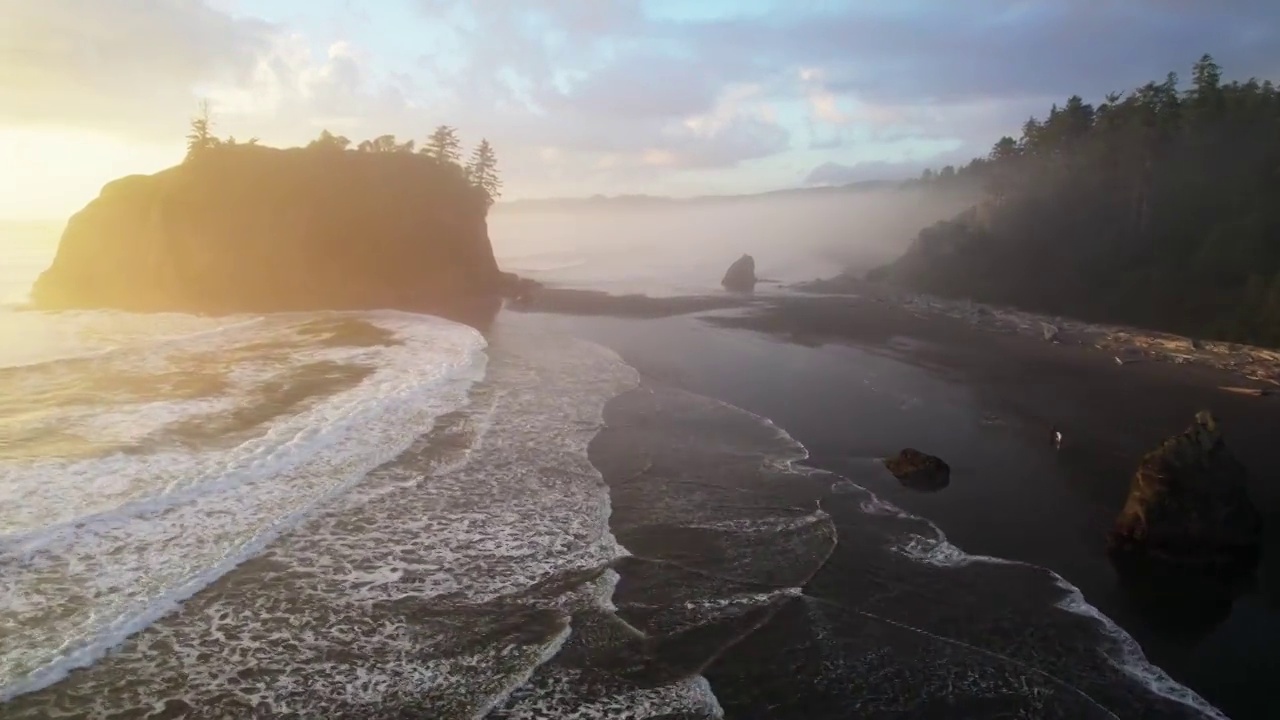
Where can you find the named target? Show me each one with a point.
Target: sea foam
(444, 583)
(924, 542)
(94, 549)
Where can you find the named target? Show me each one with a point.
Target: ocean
(369, 515)
(674, 251)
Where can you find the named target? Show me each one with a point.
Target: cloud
(119, 65)
(645, 84)
(824, 106)
(946, 52)
(619, 96)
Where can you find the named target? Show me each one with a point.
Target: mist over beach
(676, 361)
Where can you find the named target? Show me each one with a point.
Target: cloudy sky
(583, 96)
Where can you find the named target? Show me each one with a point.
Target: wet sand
(855, 380)
(573, 301)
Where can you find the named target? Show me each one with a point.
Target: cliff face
(255, 229)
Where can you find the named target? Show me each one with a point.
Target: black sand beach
(854, 381)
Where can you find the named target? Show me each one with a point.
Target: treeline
(442, 146)
(1158, 207)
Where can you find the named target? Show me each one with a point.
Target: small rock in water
(918, 470)
(1050, 332)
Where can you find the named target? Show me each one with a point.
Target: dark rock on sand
(741, 275)
(1188, 507)
(521, 291)
(919, 471)
(245, 228)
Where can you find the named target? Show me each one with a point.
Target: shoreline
(1126, 343)
(984, 401)
(823, 538)
(1257, 368)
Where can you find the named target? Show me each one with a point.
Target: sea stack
(1189, 508)
(918, 470)
(741, 275)
(245, 228)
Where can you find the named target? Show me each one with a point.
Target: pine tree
(482, 171)
(201, 138)
(329, 141)
(1155, 206)
(443, 145)
(380, 144)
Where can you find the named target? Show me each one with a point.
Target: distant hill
(620, 202)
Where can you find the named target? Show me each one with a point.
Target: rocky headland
(246, 228)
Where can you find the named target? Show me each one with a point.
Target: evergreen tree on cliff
(329, 141)
(1159, 207)
(262, 229)
(443, 146)
(384, 144)
(201, 138)
(482, 170)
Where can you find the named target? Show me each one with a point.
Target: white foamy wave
(1130, 658)
(940, 553)
(132, 423)
(872, 505)
(96, 549)
(745, 600)
(403, 594)
(558, 695)
(790, 460)
(1127, 655)
(937, 551)
(769, 526)
(44, 337)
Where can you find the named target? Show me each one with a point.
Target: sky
(583, 97)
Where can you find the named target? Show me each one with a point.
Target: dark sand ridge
(1127, 344)
(855, 379)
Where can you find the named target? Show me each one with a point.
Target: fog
(26, 248)
(663, 246)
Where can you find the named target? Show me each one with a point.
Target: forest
(1159, 207)
(441, 147)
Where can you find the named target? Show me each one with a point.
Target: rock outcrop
(918, 470)
(741, 275)
(1188, 506)
(256, 229)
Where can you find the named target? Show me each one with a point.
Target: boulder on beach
(918, 470)
(741, 275)
(246, 228)
(1189, 508)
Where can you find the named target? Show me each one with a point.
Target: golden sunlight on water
(26, 248)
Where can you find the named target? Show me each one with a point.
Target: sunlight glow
(53, 172)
